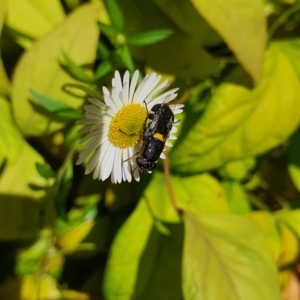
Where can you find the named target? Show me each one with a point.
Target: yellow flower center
(127, 126)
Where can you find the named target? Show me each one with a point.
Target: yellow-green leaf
(225, 257)
(290, 47)
(267, 223)
(21, 190)
(39, 68)
(33, 18)
(239, 123)
(125, 254)
(243, 27)
(199, 193)
(11, 138)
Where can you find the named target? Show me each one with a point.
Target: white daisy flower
(115, 127)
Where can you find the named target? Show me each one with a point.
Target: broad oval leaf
(238, 122)
(21, 192)
(30, 19)
(125, 254)
(11, 138)
(242, 25)
(225, 257)
(199, 193)
(39, 68)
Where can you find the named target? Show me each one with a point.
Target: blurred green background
(234, 171)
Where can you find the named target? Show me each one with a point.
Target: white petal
(110, 102)
(172, 137)
(117, 82)
(116, 175)
(146, 87)
(133, 85)
(105, 90)
(107, 162)
(168, 144)
(174, 129)
(126, 166)
(117, 99)
(162, 156)
(97, 102)
(93, 161)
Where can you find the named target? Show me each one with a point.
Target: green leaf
(103, 51)
(237, 197)
(291, 218)
(39, 68)
(103, 69)
(4, 81)
(75, 70)
(65, 185)
(22, 192)
(267, 223)
(244, 32)
(238, 122)
(33, 18)
(123, 263)
(126, 58)
(199, 193)
(290, 47)
(107, 30)
(45, 171)
(225, 257)
(150, 37)
(70, 87)
(115, 15)
(238, 169)
(182, 53)
(54, 106)
(294, 159)
(11, 139)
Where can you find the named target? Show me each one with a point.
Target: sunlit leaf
(289, 246)
(290, 47)
(225, 257)
(39, 287)
(242, 25)
(199, 193)
(72, 88)
(33, 18)
(21, 191)
(125, 254)
(238, 169)
(236, 196)
(11, 139)
(75, 70)
(150, 37)
(268, 225)
(290, 218)
(39, 68)
(4, 82)
(115, 14)
(239, 123)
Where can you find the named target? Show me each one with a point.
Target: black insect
(155, 137)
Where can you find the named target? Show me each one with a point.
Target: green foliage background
(234, 170)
